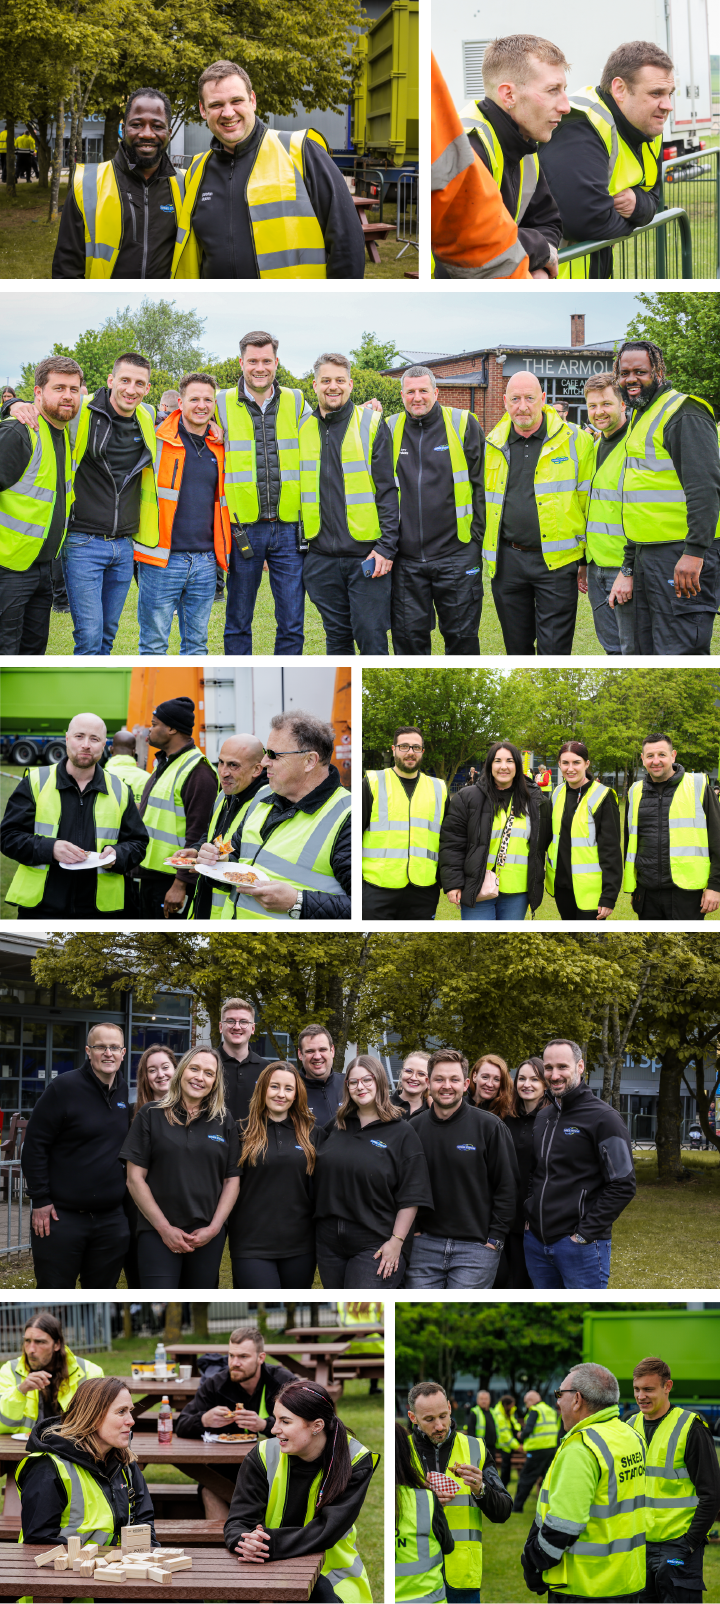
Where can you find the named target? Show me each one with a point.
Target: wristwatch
(582, 1239)
(296, 909)
(495, 1242)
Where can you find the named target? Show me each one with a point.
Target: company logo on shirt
(167, 208)
(559, 459)
(121, 1105)
(298, 1148)
(466, 1147)
(373, 1143)
(207, 196)
(571, 1130)
(441, 448)
(217, 1139)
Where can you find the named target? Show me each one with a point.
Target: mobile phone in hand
(368, 567)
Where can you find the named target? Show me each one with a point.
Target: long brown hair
(254, 1128)
(538, 1067)
(310, 1401)
(213, 1106)
(85, 1414)
(385, 1109)
(145, 1093)
(47, 1322)
(501, 1104)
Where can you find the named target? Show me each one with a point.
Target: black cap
(178, 713)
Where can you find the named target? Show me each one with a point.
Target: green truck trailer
(385, 105)
(36, 705)
(687, 1339)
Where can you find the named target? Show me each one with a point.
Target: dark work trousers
(617, 1598)
(505, 1466)
(534, 603)
(89, 1246)
(453, 589)
(342, 1262)
(667, 625)
(25, 607)
(405, 902)
(158, 1266)
(61, 603)
(514, 1254)
(152, 896)
(663, 1582)
(258, 1273)
(323, 1591)
(536, 1465)
(567, 906)
(354, 610)
(667, 903)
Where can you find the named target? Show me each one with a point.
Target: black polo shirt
(241, 1078)
(364, 1174)
(273, 1217)
(186, 1163)
(520, 523)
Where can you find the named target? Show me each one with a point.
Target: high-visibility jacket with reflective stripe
(241, 489)
(562, 483)
(97, 197)
(342, 1565)
(455, 425)
(287, 237)
(298, 852)
(604, 534)
(358, 1314)
(473, 234)
(689, 849)
(26, 508)
(127, 768)
(478, 1415)
(356, 457)
(463, 1568)
(169, 458)
(28, 885)
(474, 123)
(418, 1555)
(584, 860)
(508, 1428)
(545, 1431)
(79, 432)
(624, 169)
(164, 816)
(513, 875)
(402, 841)
(19, 1410)
(670, 1496)
(608, 1554)
(653, 500)
(219, 893)
(87, 1513)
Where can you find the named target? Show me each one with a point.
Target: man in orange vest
(473, 235)
(179, 574)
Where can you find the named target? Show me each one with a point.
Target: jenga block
(86, 1567)
(135, 1537)
(61, 1564)
(157, 1573)
(137, 1572)
(59, 1552)
(90, 1550)
(182, 1564)
(76, 1562)
(115, 1573)
(74, 1545)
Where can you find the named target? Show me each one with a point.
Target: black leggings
(255, 1274)
(158, 1266)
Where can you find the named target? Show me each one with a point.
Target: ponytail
(312, 1402)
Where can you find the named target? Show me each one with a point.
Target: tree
(374, 353)
(687, 329)
(200, 1320)
(173, 1323)
(457, 710)
(158, 329)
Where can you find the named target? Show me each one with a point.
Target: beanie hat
(178, 713)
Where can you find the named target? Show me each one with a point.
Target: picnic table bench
(215, 1574)
(371, 231)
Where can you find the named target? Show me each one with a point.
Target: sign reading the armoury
(553, 365)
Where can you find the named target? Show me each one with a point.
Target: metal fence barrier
(662, 248)
(14, 1209)
(223, 1316)
(693, 183)
(86, 1325)
(406, 228)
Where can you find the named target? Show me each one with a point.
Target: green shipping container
(687, 1339)
(385, 106)
(44, 700)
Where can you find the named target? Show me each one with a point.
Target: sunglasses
(296, 752)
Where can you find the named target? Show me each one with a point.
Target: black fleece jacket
(71, 893)
(583, 1174)
(428, 521)
(292, 1538)
(149, 224)
(44, 1498)
(704, 1472)
(575, 164)
(316, 904)
(465, 841)
(691, 438)
(495, 1502)
(15, 453)
(267, 460)
(520, 1129)
(323, 1096)
(333, 538)
(609, 848)
(541, 225)
(107, 482)
(221, 218)
(652, 863)
(202, 901)
(473, 1175)
(70, 1155)
(219, 1389)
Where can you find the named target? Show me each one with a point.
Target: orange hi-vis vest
(169, 464)
(473, 234)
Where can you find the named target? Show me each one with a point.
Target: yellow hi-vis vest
(478, 1415)
(474, 123)
(418, 1555)
(463, 1568)
(219, 892)
(584, 860)
(148, 533)
(624, 169)
(109, 806)
(562, 483)
(689, 851)
(508, 1428)
(455, 425)
(97, 197)
(164, 816)
(356, 457)
(604, 534)
(87, 1513)
(653, 499)
(342, 1565)
(241, 490)
(670, 1496)
(298, 852)
(125, 765)
(545, 1432)
(608, 1555)
(19, 1410)
(402, 842)
(513, 876)
(26, 508)
(287, 237)
(360, 1314)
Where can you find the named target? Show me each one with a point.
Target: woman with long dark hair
(530, 1093)
(411, 1092)
(493, 841)
(491, 1085)
(584, 863)
(301, 1491)
(271, 1229)
(421, 1530)
(42, 1380)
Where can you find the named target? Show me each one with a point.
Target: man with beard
(439, 1449)
(236, 1399)
(121, 219)
(670, 509)
(402, 814)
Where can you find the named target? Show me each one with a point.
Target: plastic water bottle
(165, 1422)
(160, 1362)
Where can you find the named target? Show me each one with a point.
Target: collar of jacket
(122, 162)
(314, 799)
(579, 1094)
(92, 1079)
(251, 1057)
(430, 417)
(65, 781)
(164, 761)
(634, 411)
(650, 785)
(244, 146)
(343, 414)
(253, 406)
(421, 1439)
(315, 1080)
(634, 137)
(173, 429)
(541, 433)
(513, 141)
(450, 1118)
(240, 797)
(482, 785)
(44, 1438)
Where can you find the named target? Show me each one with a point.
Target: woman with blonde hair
(271, 1231)
(182, 1158)
(492, 1087)
(411, 1093)
(80, 1476)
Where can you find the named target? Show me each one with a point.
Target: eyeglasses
(296, 752)
(408, 749)
(571, 1390)
(354, 1085)
(116, 1051)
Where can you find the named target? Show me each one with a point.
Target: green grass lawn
(548, 910)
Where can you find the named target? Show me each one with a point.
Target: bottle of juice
(165, 1422)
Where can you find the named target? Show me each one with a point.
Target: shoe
(58, 608)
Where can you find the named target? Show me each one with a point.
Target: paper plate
(92, 861)
(217, 871)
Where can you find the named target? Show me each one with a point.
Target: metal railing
(662, 248)
(86, 1325)
(406, 228)
(223, 1316)
(14, 1209)
(693, 183)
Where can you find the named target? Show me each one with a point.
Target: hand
(389, 1256)
(622, 590)
(454, 897)
(217, 1417)
(625, 202)
(710, 902)
(201, 1236)
(382, 564)
(470, 1474)
(604, 913)
(375, 404)
(40, 1219)
(582, 579)
(215, 432)
(208, 854)
(444, 1498)
(277, 898)
(65, 852)
(552, 264)
(25, 412)
(107, 857)
(253, 1546)
(248, 1419)
(539, 272)
(174, 899)
(176, 1240)
(575, 1238)
(687, 576)
(35, 1382)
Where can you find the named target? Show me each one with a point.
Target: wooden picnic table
(215, 1574)
(328, 1333)
(314, 1360)
(371, 231)
(153, 1391)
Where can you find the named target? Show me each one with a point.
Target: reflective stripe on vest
(26, 508)
(164, 816)
(478, 1415)
(608, 1555)
(562, 483)
(342, 1565)
(507, 1428)
(148, 533)
(97, 196)
(584, 859)
(474, 123)
(28, 885)
(356, 456)
(689, 851)
(240, 455)
(670, 1495)
(463, 1568)
(287, 237)
(513, 876)
(604, 535)
(418, 1555)
(455, 425)
(402, 841)
(297, 852)
(17, 1370)
(653, 500)
(545, 1432)
(624, 169)
(87, 1513)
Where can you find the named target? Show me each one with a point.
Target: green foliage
(687, 329)
(457, 709)
(374, 353)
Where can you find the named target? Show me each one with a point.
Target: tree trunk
(40, 129)
(54, 211)
(200, 1320)
(173, 1323)
(670, 1165)
(72, 157)
(127, 1322)
(111, 137)
(290, 1309)
(262, 1319)
(703, 1099)
(10, 163)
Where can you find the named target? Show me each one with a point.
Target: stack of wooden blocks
(137, 1561)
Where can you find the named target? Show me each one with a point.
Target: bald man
(241, 774)
(537, 478)
(538, 1437)
(57, 817)
(122, 761)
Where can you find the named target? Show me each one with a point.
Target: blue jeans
(438, 1261)
(462, 1595)
(508, 905)
(98, 574)
(275, 543)
(615, 628)
(186, 586)
(567, 1263)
